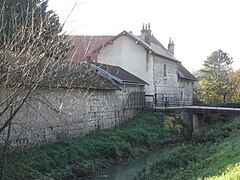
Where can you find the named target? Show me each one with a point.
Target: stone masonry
(53, 114)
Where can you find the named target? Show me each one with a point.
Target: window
(165, 71)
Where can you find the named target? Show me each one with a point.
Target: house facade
(147, 58)
(143, 56)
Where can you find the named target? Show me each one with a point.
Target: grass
(216, 155)
(88, 155)
(232, 172)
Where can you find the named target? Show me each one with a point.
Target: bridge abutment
(187, 118)
(198, 121)
(195, 121)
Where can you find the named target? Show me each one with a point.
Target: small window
(181, 94)
(165, 71)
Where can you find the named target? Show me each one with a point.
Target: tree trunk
(5, 151)
(224, 97)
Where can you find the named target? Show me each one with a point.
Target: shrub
(171, 123)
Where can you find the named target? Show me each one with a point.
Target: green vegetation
(22, 21)
(79, 157)
(214, 79)
(216, 155)
(217, 81)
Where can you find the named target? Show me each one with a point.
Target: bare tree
(31, 52)
(32, 55)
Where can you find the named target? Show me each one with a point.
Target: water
(129, 170)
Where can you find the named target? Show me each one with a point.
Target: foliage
(87, 155)
(235, 78)
(232, 172)
(215, 83)
(171, 123)
(24, 21)
(216, 157)
(214, 90)
(219, 131)
(31, 50)
(217, 64)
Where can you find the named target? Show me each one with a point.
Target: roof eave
(167, 57)
(107, 73)
(78, 87)
(109, 42)
(136, 83)
(191, 79)
(135, 39)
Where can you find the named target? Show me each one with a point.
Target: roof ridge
(156, 48)
(91, 35)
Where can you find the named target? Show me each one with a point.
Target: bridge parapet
(159, 100)
(193, 112)
(229, 104)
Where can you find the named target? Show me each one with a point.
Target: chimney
(171, 47)
(146, 34)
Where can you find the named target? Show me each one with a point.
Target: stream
(130, 169)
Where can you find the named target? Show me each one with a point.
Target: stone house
(145, 57)
(79, 99)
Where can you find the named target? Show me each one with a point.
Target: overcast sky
(197, 27)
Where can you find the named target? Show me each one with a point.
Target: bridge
(194, 112)
(201, 109)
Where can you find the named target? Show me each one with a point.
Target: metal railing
(229, 104)
(172, 101)
(157, 100)
(135, 100)
(160, 100)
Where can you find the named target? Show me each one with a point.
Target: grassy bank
(216, 155)
(79, 157)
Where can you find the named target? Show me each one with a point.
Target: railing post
(165, 103)
(155, 100)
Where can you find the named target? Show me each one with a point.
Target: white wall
(124, 52)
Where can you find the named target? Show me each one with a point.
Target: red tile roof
(84, 45)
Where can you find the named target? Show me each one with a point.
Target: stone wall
(165, 85)
(171, 85)
(170, 89)
(53, 114)
(186, 86)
